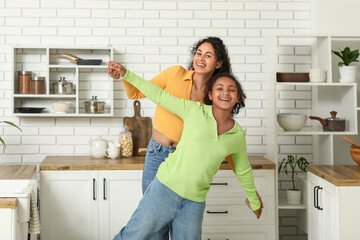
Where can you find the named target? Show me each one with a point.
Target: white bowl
(61, 107)
(291, 121)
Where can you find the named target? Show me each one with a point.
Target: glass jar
(24, 79)
(37, 85)
(126, 143)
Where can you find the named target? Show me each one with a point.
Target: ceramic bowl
(291, 121)
(61, 107)
(355, 154)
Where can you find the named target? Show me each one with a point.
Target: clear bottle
(126, 143)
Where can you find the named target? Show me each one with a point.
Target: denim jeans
(160, 207)
(155, 155)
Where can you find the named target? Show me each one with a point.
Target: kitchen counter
(339, 175)
(8, 202)
(131, 163)
(17, 171)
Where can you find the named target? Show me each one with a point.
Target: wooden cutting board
(140, 128)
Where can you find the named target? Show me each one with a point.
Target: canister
(24, 79)
(37, 85)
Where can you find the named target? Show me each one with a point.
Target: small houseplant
(12, 124)
(289, 163)
(347, 72)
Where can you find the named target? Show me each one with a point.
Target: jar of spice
(37, 85)
(24, 79)
(126, 143)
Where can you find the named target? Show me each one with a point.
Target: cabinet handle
(104, 188)
(223, 184)
(221, 212)
(210, 239)
(317, 198)
(94, 189)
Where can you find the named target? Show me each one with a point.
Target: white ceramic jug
(98, 147)
(113, 150)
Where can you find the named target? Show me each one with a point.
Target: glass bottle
(126, 143)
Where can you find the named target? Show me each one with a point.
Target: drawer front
(238, 233)
(234, 211)
(225, 184)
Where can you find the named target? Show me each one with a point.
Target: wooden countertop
(17, 171)
(339, 175)
(8, 202)
(132, 163)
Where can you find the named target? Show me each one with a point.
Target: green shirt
(190, 169)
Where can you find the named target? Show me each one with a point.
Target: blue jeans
(155, 155)
(160, 207)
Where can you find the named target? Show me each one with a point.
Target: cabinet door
(314, 215)
(329, 205)
(120, 196)
(69, 205)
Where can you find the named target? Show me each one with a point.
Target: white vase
(347, 74)
(293, 196)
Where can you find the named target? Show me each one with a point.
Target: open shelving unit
(300, 53)
(87, 80)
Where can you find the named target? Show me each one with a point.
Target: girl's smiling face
(205, 60)
(224, 93)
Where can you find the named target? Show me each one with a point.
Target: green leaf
(347, 56)
(12, 124)
(3, 142)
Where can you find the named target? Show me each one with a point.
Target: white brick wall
(149, 36)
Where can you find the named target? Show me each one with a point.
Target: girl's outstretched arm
(159, 96)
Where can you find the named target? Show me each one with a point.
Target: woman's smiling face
(224, 93)
(205, 60)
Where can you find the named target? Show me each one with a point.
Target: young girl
(177, 195)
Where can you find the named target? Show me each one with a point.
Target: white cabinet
(332, 210)
(87, 204)
(226, 214)
(87, 80)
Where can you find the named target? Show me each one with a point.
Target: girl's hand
(116, 70)
(259, 211)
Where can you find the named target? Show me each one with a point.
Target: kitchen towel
(34, 227)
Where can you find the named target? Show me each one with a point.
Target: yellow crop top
(177, 81)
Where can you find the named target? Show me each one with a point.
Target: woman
(177, 195)
(209, 56)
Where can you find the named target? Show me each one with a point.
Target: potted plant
(293, 194)
(12, 124)
(347, 72)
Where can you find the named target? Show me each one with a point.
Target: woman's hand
(259, 211)
(116, 70)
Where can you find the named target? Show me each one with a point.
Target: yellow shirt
(177, 81)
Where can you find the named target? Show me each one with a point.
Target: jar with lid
(37, 85)
(24, 80)
(126, 143)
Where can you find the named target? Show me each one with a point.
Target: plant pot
(347, 74)
(293, 196)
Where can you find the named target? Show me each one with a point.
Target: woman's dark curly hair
(221, 53)
(240, 92)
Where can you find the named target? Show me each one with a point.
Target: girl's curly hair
(240, 92)
(221, 53)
